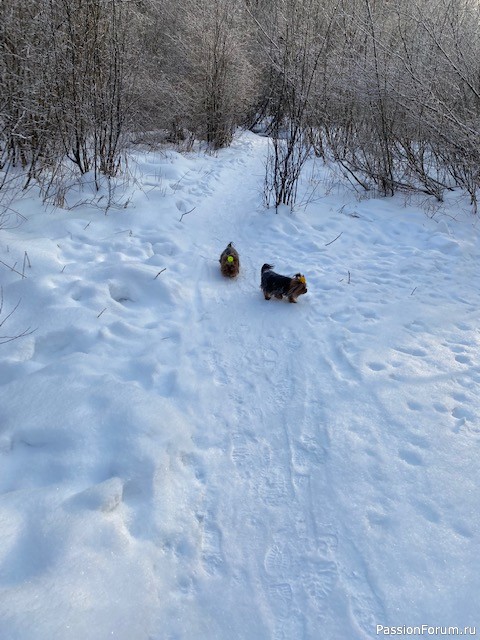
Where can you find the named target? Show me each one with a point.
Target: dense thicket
(389, 90)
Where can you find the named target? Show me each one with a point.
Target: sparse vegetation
(389, 91)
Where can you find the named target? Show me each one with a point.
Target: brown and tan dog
(229, 261)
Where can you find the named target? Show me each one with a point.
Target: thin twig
(414, 289)
(26, 332)
(186, 213)
(13, 268)
(177, 183)
(101, 312)
(26, 260)
(332, 241)
(5, 339)
(164, 269)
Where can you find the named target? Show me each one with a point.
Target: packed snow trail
(182, 459)
(267, 552)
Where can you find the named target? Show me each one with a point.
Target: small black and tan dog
(273, 284)
(229, 261)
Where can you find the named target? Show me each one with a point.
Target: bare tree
(388, 91)
(404, 96)
(65, 87)
(89, 54)
(205, 78)
(25, 128)
(296, 38)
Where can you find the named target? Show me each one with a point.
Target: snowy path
(182, 460)
(266, 557)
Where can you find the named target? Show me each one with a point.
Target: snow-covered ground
(182, 460)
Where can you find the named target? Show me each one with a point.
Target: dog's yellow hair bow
(302, 279)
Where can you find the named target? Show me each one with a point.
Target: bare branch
(186, 214)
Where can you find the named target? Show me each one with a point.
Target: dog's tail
(267, 267)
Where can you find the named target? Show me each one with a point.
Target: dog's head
(299, 284)
(230, 261)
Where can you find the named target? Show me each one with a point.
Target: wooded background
(388, 90)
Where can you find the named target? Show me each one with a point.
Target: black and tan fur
(273, 284)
